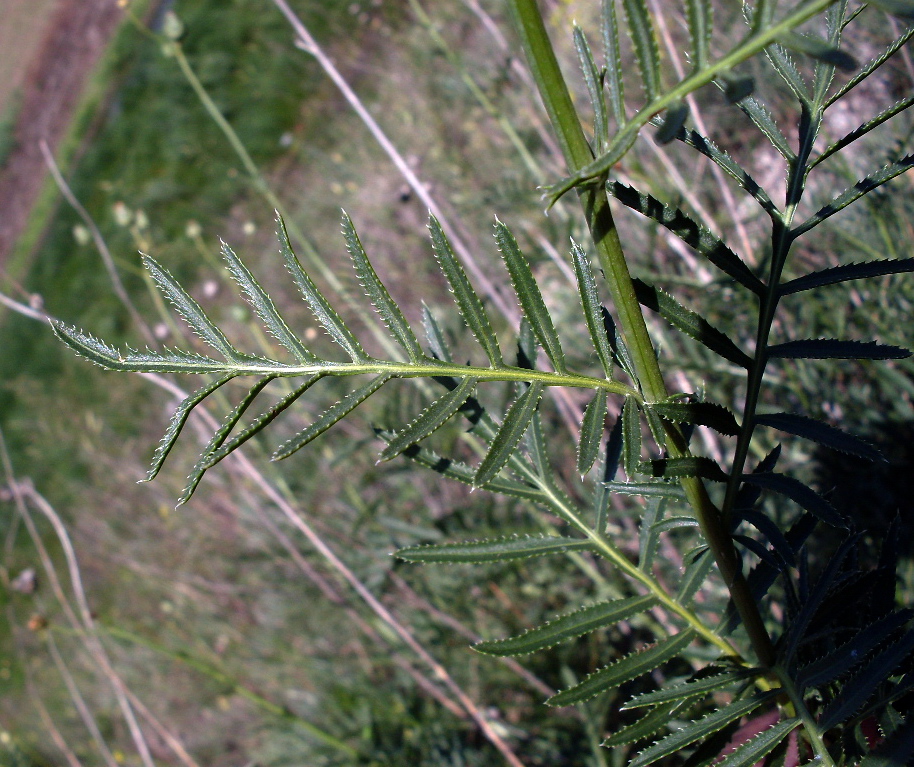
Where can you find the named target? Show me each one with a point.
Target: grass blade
(386, 307)
(528, 293)
(492, 550)
(329, 417)
(592, 429)
(517, 419)
(593, 309)
(568, 626)
(264, 307)
(624, 669)
(323, 312)
(468, 302)
(430, 419)
(190, 310)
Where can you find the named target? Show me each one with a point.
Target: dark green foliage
(833, 655)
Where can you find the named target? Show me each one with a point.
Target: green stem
(811, 727)
(595, 202)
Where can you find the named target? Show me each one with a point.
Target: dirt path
(74, 39)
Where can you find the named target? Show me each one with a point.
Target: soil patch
(74, 39)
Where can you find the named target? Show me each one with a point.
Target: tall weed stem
(595, 202)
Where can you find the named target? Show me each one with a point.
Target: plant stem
(595, 202)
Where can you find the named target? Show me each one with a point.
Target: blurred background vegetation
(217, 625)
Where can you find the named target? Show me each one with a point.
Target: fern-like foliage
(839, 661)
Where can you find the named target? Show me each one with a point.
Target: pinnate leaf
(818, 48)
(468, 302)
(528, 293)
(613, 80)
(689, 322)
(647, 489)
(689, 231)
(323, 312)
(631, 437)
(843, 658)
(830, 348)
(756, 749)
(261, 422)
(329, 417)
(701, 728)
(690, 466)
(700, 15)
(673, 120)
(430, 419)
(821, 433)
(492, 550)
(264, 307)
(856, 691)
(189, 309)
(386, 307)
(623, 670)
(593, 310)
(177, 424)
(654, 721)
(568, 626)
(692, 688)
(846, 272)
(799, 493)
(644, 40)
(225, 428)
(592, 430)
(708, 414)
(509, 433)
